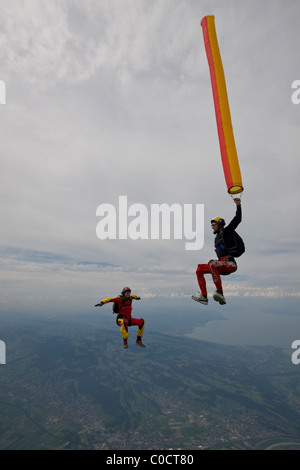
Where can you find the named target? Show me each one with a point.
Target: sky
(113, 98)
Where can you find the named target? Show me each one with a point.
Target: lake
(257, 322)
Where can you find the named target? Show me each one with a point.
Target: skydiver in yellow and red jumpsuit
(124, 318)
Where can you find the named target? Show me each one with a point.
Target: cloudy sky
(113, 98)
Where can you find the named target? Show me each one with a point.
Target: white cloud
(113, 98)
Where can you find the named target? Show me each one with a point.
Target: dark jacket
(227, 234)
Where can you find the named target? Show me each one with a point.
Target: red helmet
(126, 289)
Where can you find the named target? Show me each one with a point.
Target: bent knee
(212, 262)
(200, 268)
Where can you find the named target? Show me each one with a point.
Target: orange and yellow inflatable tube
(229, 156)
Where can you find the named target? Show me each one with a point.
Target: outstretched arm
(136, 297)
(238, 215)
(105, 301)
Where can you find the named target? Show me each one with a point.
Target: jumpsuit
(224, 264)
(124, 318)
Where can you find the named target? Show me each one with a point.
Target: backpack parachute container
(237, 248)
(229, 156)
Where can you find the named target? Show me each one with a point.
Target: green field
(72, 386)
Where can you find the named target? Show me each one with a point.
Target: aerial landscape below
(72, 386)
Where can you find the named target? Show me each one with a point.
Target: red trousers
(215, 268)
(125, 322)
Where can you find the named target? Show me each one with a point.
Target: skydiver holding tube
(228, 245)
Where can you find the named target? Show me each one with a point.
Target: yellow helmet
(219, 220)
